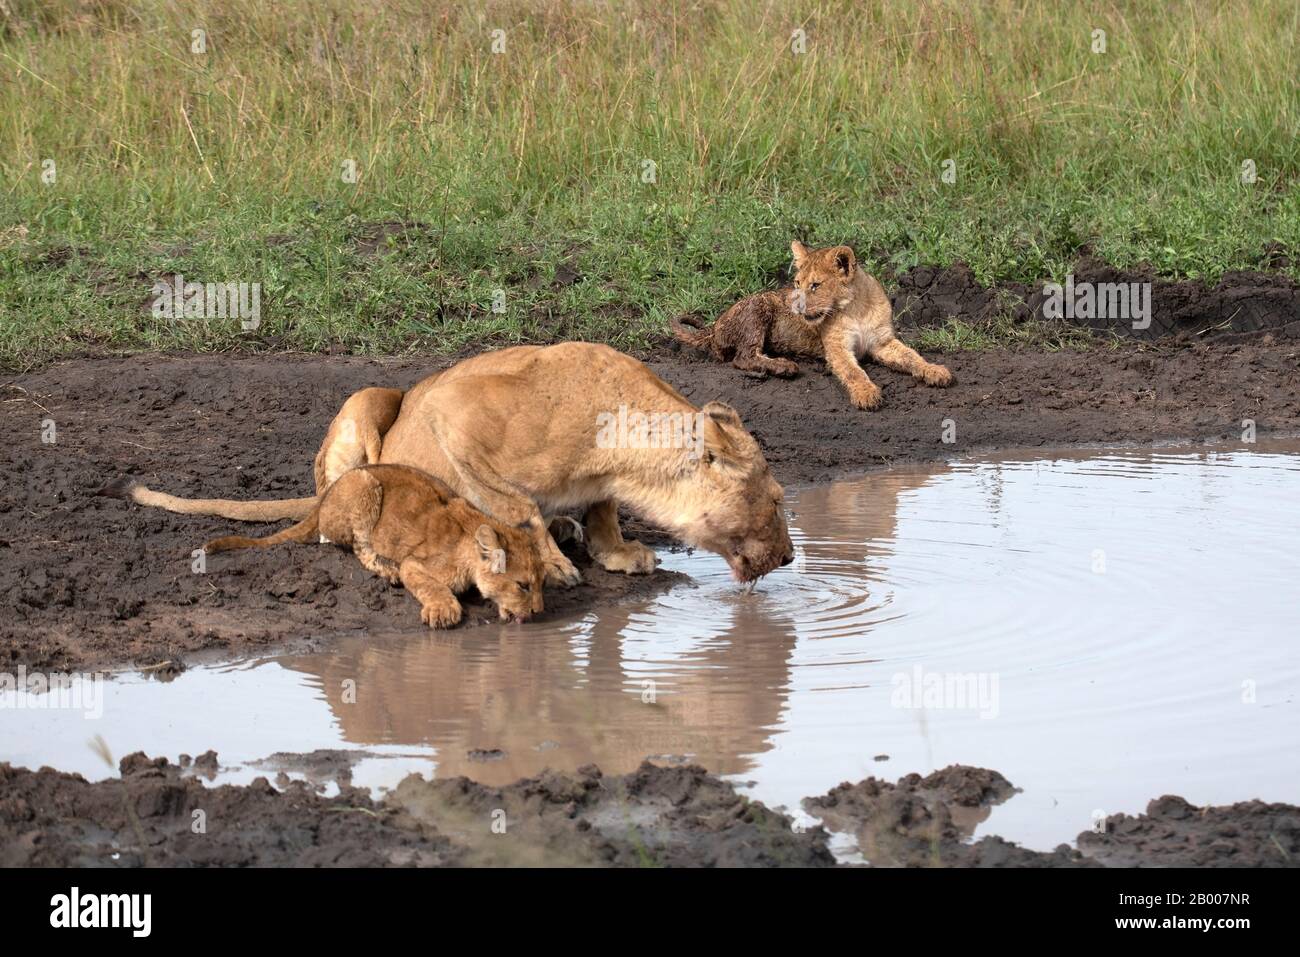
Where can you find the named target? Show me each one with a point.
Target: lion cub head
(741, 508)
(508, 571)
(823, 280)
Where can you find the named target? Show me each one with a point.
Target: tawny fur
(835, 311)
(408, 527)
(516, 433)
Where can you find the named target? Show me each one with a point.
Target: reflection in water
(1131, 609)
(606, 689)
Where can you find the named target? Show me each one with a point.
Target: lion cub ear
(845, 260)
(490, 550)
(800, 252)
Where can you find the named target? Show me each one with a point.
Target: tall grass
(508, 165)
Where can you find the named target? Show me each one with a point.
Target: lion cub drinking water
(406, 526)
(836, 312)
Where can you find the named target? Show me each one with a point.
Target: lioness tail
(269, 510)
(305, 531)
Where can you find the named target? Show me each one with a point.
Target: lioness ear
(800, 251)
(722, 413)
(845, 260)
(723, 432)
(489, 548)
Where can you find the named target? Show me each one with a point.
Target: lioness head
(509, 572)
(822, 279)
(738, 509)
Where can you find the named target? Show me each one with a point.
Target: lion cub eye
(525, 587)
(813, 287)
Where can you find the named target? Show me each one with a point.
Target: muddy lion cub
(406, 526)
(836, 312)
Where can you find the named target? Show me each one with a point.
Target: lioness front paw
(562, 572)
(936, 375)
(866, 397)
(441, 614)
(632, 558)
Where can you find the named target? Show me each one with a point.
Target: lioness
(836, 312)
(407, 527)
(516, 433)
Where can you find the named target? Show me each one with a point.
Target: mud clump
(652, 817)
(1174, 833)
(926, 821)
(318, 767)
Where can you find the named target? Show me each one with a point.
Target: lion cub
(836, 312)
(406, 526)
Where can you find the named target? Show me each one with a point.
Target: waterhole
(1102, 627)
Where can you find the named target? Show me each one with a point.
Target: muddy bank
(925, 822)
(1010, 399)
(653, 817)
(1238, 306)
(1174, 833)
(93, 582)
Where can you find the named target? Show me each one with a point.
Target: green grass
(957, 334)
(514, 165)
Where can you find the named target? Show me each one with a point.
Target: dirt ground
(653, 817)
(92, 582)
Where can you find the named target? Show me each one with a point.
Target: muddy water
(1101, 627)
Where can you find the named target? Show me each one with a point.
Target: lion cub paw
(441, 614)
(937, 375)
(866, 397)
(632, 558)
(562, 572)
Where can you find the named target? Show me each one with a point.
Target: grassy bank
(529, 170)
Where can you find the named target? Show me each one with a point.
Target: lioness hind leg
(608, 548)
(438, 605)
(903, 358)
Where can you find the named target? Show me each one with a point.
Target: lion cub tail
(256, 511)
(308, 530)
(688, 329)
